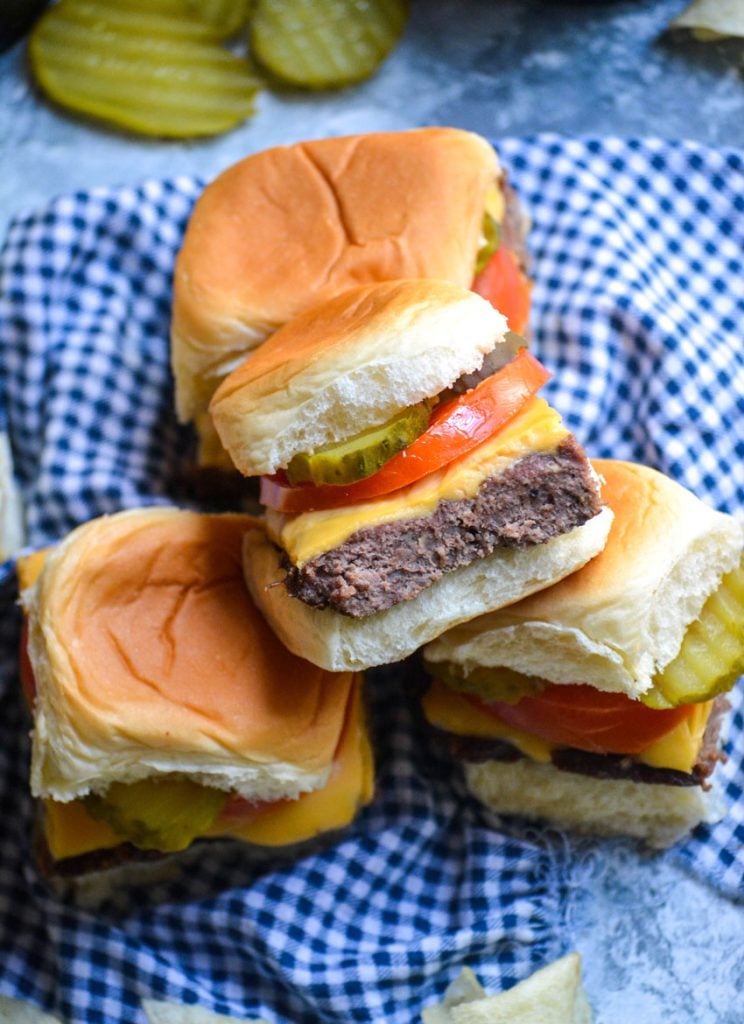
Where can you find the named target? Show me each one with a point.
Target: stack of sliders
(412, 478)
(597, 703)
(165, 710)
(292, 226)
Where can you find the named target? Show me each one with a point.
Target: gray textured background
(657, 946)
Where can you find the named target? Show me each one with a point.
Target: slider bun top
(150, 657)
(294, 225)
(349, 364)
(621, 619)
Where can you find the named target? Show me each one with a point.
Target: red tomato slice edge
(580, 716)
(503, 283)
(456, 428)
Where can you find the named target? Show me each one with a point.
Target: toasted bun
(349, 364)
(150, 657)
(659, 814)
(295, 225)
(338, 643)
(622, 618)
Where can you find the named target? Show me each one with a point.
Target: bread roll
(351, 363)
(150, 658)
(294, 225)
(621, 619)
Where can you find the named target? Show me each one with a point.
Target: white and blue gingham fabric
(638, 259)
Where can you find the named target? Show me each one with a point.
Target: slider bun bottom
(339, 643)
(659, 814)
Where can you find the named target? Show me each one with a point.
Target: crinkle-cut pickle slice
(158, 814)
(362, 455)
(225, 16)
(711, 657)
(322, 44)
(151, 68)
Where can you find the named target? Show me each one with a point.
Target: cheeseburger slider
(597, 703)
(292, 226)
(412, 478)
(165, 710)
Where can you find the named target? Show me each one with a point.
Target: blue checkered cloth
(637, 256)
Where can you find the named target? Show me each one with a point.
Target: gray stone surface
(658, 946)
(502, 68)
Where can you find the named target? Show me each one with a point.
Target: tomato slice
(576, 715)
(456, 427)
(505, 286)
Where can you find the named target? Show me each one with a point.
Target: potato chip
(158, 1012)
(712, 19)
(15, 1011)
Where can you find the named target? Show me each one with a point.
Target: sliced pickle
(226, 16)
(323, 44)
(490, 683)
(153, 68)
(491, 241)
(158, 814)
(711, 657)
(362, 455)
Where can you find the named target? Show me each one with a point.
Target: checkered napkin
(637, 254)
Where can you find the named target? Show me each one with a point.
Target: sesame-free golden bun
(291, 226)
(657, 813)
(351, 363)
(618, 621)
(150, 658)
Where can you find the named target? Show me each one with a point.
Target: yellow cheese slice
(28, 567)
(453, 712)
(70, 831)
(536, 427)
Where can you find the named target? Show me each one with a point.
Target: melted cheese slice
(453, 712)
(536, 427)
(70, 831)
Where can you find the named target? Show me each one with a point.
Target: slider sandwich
(164, 708)
(597, 704)
(411, 476)
(295, 225)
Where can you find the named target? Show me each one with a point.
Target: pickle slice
(322, 44)
(491, 242)
(158, 814)
(363, 455)
(225, 16)
(487, 682)
(152, 68)
(711, 657)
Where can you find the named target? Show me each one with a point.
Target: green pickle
(363, 455)
(149, 67)
(711, 657)
(226, 16)
(489, 683)
(158, 814)
(492, 240)
(323, 44)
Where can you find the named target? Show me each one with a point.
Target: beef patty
(605, 766)
(540, 496)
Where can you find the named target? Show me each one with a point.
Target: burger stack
(347, 331)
